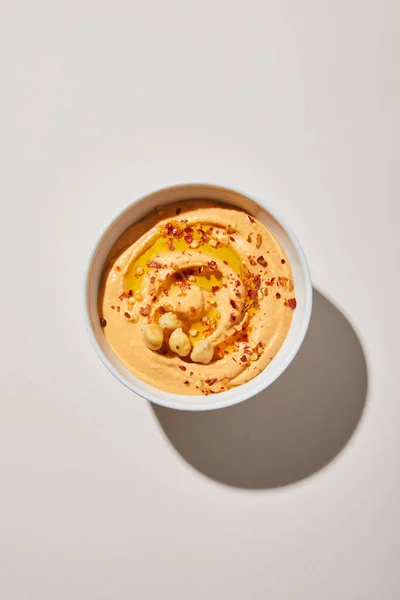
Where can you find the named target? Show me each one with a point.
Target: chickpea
(169, 321)
(179, 342)
(153, 336)
(202, 352)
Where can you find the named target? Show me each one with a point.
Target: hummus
(196, 298)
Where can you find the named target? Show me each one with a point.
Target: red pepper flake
(250, 219)
(203, 235)
(127, 315)
(113, 308)
(278, 295)
(237, 283)
(186, 382)
(178, 276)
(252, 293)
(130, 293)
(123, 295)
(171, 247)
(233, 303)
(225, 262)
(169, 227)
(154, 264)
(162, 310)
(213, 265)
(292, 303)
(208, 331)
(257, 282)
(178, 211)
(232, 239)
(243, 358)
(232, 317)
(191, 373)
(118, 308)
(152, 279)
(117, 268)
(261, 261)
(188, 238)
(238, 294)
(283, 261)
(145, 310)
(215, 288)
(103, 322)
(182, 368)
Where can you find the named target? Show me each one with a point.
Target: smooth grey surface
(296, 102)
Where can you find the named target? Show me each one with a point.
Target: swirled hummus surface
(197, 297)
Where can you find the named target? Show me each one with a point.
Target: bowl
(302, 282)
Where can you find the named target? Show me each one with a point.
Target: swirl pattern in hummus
(218, 274)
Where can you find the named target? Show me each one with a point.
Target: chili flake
(261, 261)
(292, 303)
(154, 264)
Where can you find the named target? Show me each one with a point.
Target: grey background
(296, 493)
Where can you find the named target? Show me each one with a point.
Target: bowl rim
(247, 393)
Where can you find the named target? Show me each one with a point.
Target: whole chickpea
(169, 321)
(179, 342)
(202, 352)
(153, 336)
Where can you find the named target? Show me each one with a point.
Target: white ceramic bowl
(302, 282)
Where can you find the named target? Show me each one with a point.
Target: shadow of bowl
(292, 429)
